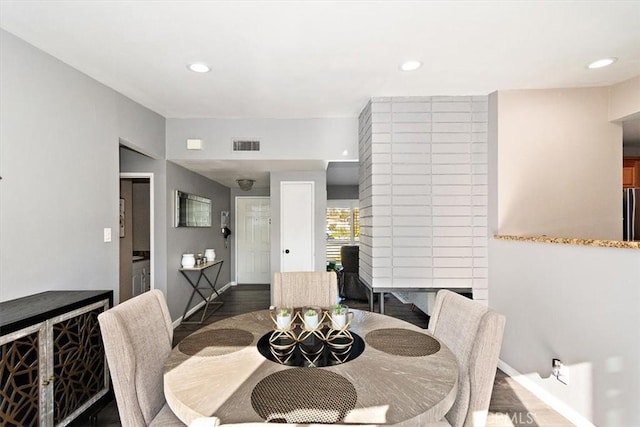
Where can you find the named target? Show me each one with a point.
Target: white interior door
(253, 246)
(296, 226)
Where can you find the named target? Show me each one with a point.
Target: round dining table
(403, 376)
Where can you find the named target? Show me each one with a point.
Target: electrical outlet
(560, 371)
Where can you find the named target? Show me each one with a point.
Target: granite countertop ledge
(571, 241)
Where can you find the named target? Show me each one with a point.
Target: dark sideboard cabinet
(52, 361)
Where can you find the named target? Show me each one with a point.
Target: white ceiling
(277, 59)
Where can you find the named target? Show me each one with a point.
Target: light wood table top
(218, 369)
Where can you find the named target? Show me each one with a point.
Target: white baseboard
(197, 307)
(548, 398)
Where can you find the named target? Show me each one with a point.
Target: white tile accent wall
(423, 192)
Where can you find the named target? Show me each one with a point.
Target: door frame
(148, 175)
(235, 235)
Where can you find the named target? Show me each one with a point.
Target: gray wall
(342, 192)
(59, 136)
(192, 240)
(578, 304)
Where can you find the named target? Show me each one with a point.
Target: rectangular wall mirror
(192, 210)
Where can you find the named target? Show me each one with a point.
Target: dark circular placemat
(304, 395)
(215, 342)
(402, 342)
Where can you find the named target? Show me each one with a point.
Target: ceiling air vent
(246, 145)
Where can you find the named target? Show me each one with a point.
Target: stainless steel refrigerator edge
(631, 214)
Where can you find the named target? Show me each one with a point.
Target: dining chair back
(473, 332)
(301, 288)
(137, 336)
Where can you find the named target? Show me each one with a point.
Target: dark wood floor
(511, 404)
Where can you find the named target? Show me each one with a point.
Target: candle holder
(338, 335)
(283, 338)
(312, 322)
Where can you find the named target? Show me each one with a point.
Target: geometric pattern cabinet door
(20, 371)
(78, 364)
(52, 371)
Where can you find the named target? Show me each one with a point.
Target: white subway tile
(435, 99)
(410, 200)
(451, 200)
(479, 127)
(412, 261)
(414, 220)
(479, 106)
(452, 283)
(451, 127)
(411, 127)
(451, 117)
(381, 117)
(403, 147)
(446, 107)
(409, 190)
(450, 158)
(411, 179)
(411, 117)
(451, 147)
(422, 251)
(380, 148)
(451, 137)
(411, 137)
(380, 128)
(411, 107)
(463, 179)
(380, 107)
(452, 190)
(478, 190)
(415, 242)
(411, 210)
(479, 221)
(452, 221)
(380, 179)
(452, 210)
(452, 241)
(479, 147)
(452, 252)
(463, 273)
(449, 169)
(383, 138)
(452, 262)
(377, 190)
(452, 231)
(412, 272)
(399, 158)
(480, 272)
(411, 231)
(411, 169)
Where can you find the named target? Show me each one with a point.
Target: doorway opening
(137, 264)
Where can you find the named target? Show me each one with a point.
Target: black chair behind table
(350, 285)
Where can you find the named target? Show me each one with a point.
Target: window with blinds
(343, 226)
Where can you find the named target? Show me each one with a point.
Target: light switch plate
(107, 235)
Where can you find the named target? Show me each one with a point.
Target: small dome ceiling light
(411, 65)
(245, 184)
(600, 63)
(199, 67)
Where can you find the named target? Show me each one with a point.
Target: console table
(200, 271)
(52, 365)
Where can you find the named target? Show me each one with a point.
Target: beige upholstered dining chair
(137, 336)
(473, 332)
(297, 289)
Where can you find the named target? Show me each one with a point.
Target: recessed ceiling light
(604, 62)
(199, 67)
(345, 153)
(410, 65)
